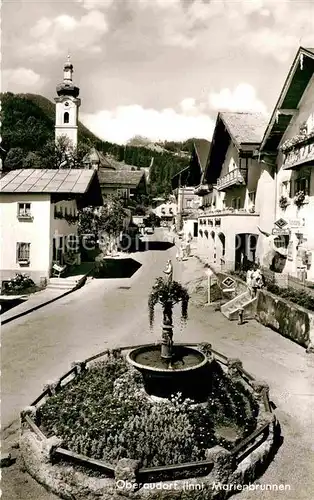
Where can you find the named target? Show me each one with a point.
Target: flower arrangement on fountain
(168, 293)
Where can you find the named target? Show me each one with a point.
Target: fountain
(103, 414)
(168, 368)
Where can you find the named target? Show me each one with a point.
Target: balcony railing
(230, 179)
(202, 190)
(299, 153)
(228, 211)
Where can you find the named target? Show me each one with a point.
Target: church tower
(67, 106)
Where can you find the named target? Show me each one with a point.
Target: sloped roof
(245, 128)
(98, 156)
(128, 178)
(299, 76)
(47, 181)
(202, 147)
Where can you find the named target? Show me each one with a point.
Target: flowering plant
(299, 198)
(289, 143)
(283, 202)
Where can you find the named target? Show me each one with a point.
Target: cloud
(242, 98)
(64, 31)
(188, 105)
(21, 79)
(99, 4)
(124, 122)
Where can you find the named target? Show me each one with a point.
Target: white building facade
(234, 198)
(290, 138)
(38, 217)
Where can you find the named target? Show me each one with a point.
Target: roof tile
(245, 128)
(46, 181)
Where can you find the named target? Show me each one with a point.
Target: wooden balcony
(233, 178)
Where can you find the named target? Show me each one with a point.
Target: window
(188, 203)
(23, 252)
(235, 203)
(24, 210)
(66, 117)
(301, 183)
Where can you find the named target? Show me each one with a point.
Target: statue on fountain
(168, 293)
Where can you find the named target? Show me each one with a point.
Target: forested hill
(28, 122)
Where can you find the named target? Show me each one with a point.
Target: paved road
(41, 346)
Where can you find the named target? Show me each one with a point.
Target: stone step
(61, 286)
(63, 280)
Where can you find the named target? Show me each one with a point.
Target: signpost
(209, 273)
(228, 283)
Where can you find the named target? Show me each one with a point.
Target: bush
(104, 414)
(21, 283)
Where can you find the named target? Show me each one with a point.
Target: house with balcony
(183, 187)
(116, 177)
(233, 189)
(167, 212)
(39, 219)
(289, 142)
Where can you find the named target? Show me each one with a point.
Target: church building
(114, 177)
(67, 106)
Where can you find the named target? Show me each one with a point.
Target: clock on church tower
(67, 106)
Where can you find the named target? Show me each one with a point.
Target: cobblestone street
(107, 313)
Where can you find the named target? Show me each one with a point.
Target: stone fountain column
(167, 332)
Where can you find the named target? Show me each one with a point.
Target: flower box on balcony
(25, 217)
(299, 139)
(23, 262)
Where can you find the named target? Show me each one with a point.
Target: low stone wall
(290, 320)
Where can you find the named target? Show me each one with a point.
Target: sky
(161, 69)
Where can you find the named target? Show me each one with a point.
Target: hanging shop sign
(295, 223)
(281, 232)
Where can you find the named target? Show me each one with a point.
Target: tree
(32, 160)
(104, 223)
(14, 159)
(62, 154)
(112, 216)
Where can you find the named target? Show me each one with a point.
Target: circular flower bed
(104, 413)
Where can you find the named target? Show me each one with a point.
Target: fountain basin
(185, 373)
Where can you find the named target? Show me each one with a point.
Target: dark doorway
(245, 250)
